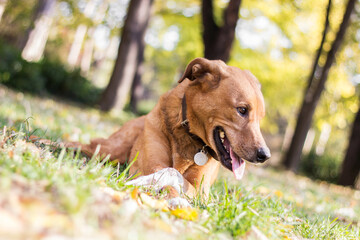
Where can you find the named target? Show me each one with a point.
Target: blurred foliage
(276, 40)
(46, 76)
(16, 19)
(281, 61)
(325, 167)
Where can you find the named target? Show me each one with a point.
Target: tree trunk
(34, 41)
(76, 45)
(109, 54)
(137, 89)
(304, 122)
(351, 163)
(312, 96)
(316, 66)
(87, 55)
(80, 34)
(2, 7)
(218, 40)
(127, 61)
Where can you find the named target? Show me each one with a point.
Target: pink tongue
(238, 165)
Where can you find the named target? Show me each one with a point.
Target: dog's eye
(242, 111)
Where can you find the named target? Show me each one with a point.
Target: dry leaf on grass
(134, 194)
(279, 193)
(185, 213)
(160, 224)
(116, 196)
(154, 203)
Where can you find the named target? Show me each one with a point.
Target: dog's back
(119, 144)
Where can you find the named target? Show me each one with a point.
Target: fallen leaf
(279, 193)
(134, 193)
(116, 196)
(65, 136)
(263, 190)
(11, 154)
(160, 224)
(154, 203)
(185, 213)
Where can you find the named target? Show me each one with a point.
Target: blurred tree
(87, 56)
(184, 16)
(351, 164)
(173, 39)
(315, 66)
(80, 35)
(128, 59)
(217, 39)
(313, 92)
(2, 7)
(137, 88)
(34, 40)
(87, 53)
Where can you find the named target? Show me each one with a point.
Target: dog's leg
(200, 178)
(118, 145)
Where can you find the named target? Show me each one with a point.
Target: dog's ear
(197, 68)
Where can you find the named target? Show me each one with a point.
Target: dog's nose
(263, 154)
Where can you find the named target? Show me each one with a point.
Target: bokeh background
(119, 56)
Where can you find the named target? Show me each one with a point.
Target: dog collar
(185, 124)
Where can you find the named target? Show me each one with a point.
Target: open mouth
(228, 157)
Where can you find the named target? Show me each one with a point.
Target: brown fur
(213, 91)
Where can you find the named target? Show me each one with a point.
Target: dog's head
(225, 106)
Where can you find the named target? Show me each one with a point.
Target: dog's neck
(185, 125)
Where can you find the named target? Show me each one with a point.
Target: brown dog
(214, 111)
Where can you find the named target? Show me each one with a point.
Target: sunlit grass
(53, 192)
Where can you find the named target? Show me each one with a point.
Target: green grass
(57, 193)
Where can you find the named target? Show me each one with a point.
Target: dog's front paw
(142, 181)
(160, 179)
(178, 202)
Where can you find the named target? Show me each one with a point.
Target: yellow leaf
(134, 193)
(288, 226)
(154, 203)
(185, 213)
(263, 190)
(66, 136)
(160, 224)
(115, 195)
(279, 193)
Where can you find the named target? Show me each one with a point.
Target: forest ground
(50, 193)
